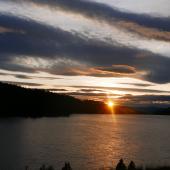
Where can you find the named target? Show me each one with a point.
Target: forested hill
(26, 102)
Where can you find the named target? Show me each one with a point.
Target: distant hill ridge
(17, 101)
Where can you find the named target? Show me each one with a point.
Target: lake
(89, 142)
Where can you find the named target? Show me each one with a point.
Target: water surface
(87, 141)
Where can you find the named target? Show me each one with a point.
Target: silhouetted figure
(132, 166)
(26, 167)
(67, 166)
(121, 165)
(43, 167)
(50, 168)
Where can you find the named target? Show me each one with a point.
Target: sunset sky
(91, 49)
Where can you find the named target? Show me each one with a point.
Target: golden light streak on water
(111, 106)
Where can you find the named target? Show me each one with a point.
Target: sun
(110, 104)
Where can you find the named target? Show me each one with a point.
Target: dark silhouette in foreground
(132, 166)
(43, 167)
(67, 166)
(120, 166)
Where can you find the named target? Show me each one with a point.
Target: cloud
(150, 33)
(22, 83)
(138, 84)
(20, 76)
(90, 90)
(145, 100)
(123, 89)
(122, 69)
(91, 95)
(5, 30)
(142, 24)
(57, 90)
(148, 97)
(28, 76)
(34, 47)
(87, 94)
(102, 11)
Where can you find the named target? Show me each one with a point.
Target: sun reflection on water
(111, 106)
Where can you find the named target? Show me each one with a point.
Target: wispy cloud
(124, 89)
(142, 24)
(145, 100)
(23, 83)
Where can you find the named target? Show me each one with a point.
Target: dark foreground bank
(120, 166)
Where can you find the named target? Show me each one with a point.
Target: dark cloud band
(92, 57)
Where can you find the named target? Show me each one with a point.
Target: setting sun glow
(110, 104)
(111, 107)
